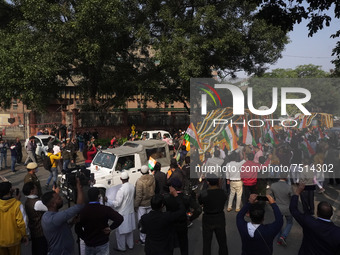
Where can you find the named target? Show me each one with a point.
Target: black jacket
(158, 227)
(319, 236)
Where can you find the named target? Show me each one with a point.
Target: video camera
(80, 172)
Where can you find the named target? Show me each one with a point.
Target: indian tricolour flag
(271, 135)
(152, 162)
(229, 135)
(321, 135)
(303, 122)
(289, 134)
(266, 127)
(238, 132)
(305, 145)
(191, 136)
(247, 136)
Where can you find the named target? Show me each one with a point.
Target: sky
(304, 50)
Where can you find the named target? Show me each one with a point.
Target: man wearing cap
(145, 189)
(32, 168)
(123, 203)
(31, 147)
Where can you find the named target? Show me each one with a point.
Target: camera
(69, 186)
(80, 172)
(262, 198)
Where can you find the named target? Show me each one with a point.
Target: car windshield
(45, 141)
(156, 153)
(104, 160)
(146, 135)
(166, 135)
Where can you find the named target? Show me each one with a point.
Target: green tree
(301, 71)
(324, 90)
(129, 47)
(196, 38)
(91, 44)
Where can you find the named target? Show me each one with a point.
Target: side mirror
(38, 144)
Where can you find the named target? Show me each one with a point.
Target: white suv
(153, 135)
(41, 142)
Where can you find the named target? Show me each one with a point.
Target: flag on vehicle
(152, 162)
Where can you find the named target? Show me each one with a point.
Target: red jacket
(90, 155)
(249, 172)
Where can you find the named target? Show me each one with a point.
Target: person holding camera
(257, 238)
(55, 223)
(13, 228)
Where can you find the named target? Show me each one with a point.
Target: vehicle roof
(125, 149)
(154, 131)
(43, 136)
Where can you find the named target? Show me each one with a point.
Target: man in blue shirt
(55, 224)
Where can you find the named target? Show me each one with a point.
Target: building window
(15, 104)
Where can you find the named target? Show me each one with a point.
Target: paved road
(195, 234)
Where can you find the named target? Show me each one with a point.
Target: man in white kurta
(123, 203)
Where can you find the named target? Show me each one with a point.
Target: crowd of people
(165, 204)
(275, 169)
(15, 149)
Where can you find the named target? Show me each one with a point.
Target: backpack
(47, 163)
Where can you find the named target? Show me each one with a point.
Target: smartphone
(262, 198)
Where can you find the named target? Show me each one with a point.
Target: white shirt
(38, 206)
(123, 202)
(234, 170)
(252, 228)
